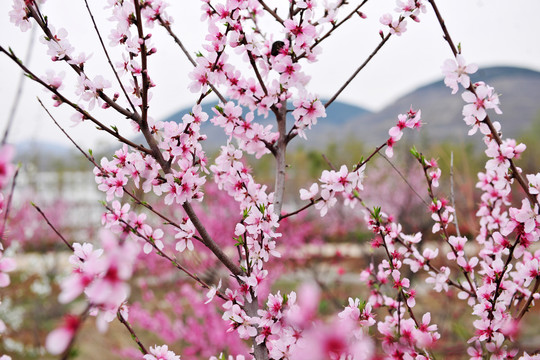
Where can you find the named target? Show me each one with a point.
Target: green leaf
(362, 305)
(239, 241)
(377, 212)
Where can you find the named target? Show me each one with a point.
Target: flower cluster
(102, 275)
(251, 135)
(508, 265)
(179, 145)
(333, 183)
(411, 120)
(401, 334)
(409, 9)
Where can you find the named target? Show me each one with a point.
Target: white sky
(492, 32)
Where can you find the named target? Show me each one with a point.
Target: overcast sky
(492, 32)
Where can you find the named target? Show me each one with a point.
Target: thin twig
(91, 159)
(328, 162)
(108, 57)
(18, 93)
(53, 228)
(134, 336)
(428, 263)
(404, 179)
(335, 27)
(8, 205)
(444, 230)
(351, 78)
(76, 107)
(494, 133)
(172, 260)
(529, 300)
(313, 202)
(359, 165)
(34, 12)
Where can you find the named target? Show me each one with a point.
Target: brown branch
(281, 147)
(313, 202)
(76, 107)
(159, 252)
(134, 336)
(328, 162)
(10, 198)
(530, 299)
(210, 243)
(271, 12)
(144, 64)
(359, 165)
(256, 70)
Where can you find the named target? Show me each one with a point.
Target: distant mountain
(519, 93)
(518, 89)
(339, 114)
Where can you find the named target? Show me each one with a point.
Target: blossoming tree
(497, 273)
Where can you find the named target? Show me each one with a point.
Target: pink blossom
(311, 193)
(439, 280)
(534, 184)
(212, 292)
(6, 265)
(155, 237)
(6, 167)
(484, 99)
(528, 216)
(19, 16)
(457, 71)
(59, 339)
(161, 353)
(333, 341)
(185, 233)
